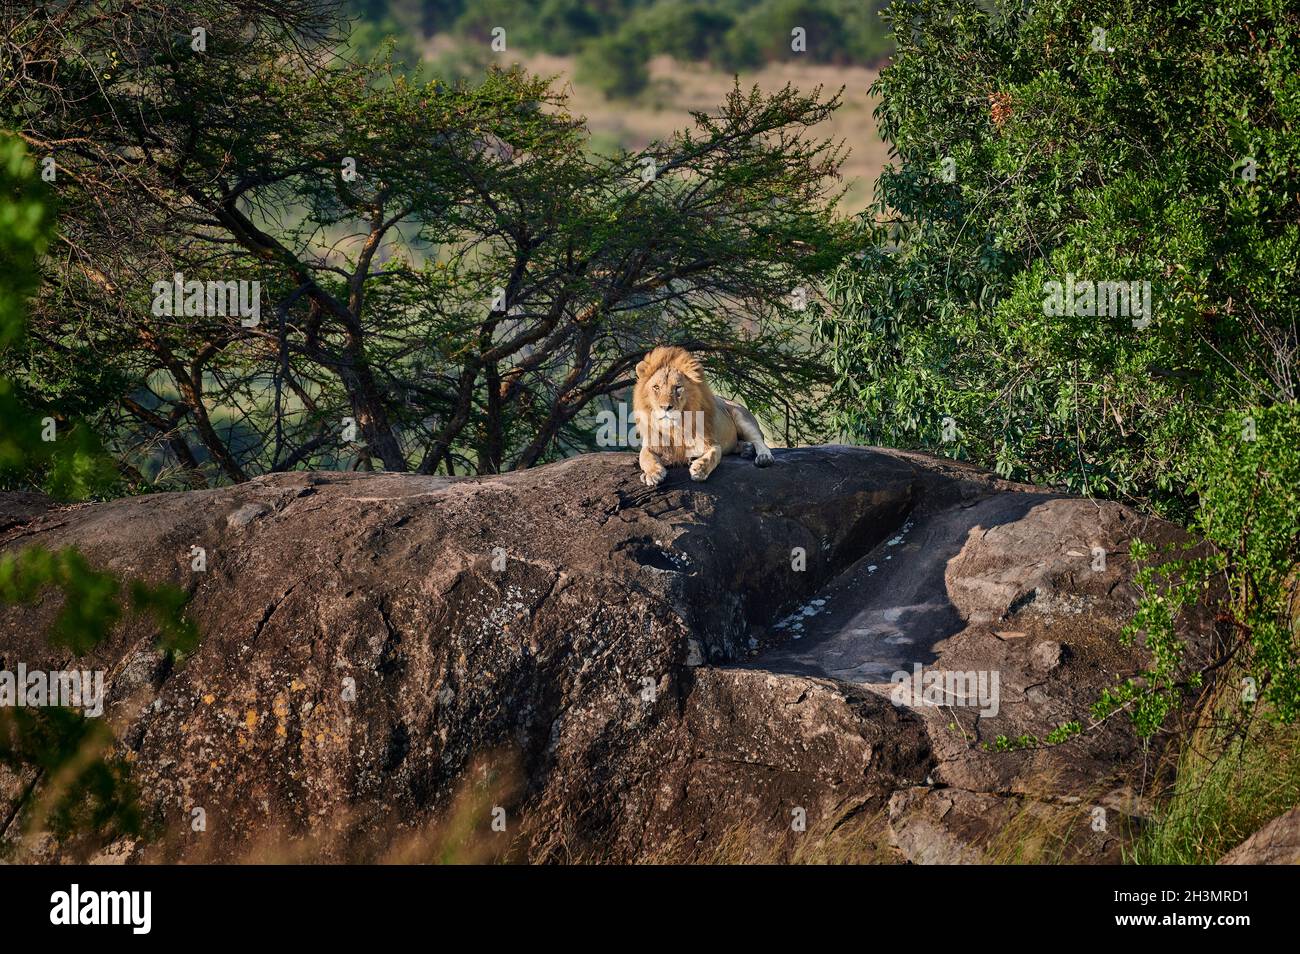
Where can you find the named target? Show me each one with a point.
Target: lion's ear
(641, 368)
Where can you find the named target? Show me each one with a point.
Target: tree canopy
(1082, 142)
(446, 277)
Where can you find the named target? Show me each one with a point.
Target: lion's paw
(699, 473)
(763, 459)
(653, 479)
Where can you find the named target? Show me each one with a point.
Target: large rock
(1277, 843)
(699, 671)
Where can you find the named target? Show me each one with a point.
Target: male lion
(682, 422)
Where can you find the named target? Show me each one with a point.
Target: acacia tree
(447, 266)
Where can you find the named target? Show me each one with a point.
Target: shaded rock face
(668, 671)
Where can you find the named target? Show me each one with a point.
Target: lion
(682, 422)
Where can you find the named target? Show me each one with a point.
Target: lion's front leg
(708, 459)
(653, 471)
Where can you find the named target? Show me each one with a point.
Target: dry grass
(463, 833)
(858, 839)
(1041, 833)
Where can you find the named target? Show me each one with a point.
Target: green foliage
(92, 600)
(1250, 510)
(24, 234)
(378, 289)
(615, 39)
(24, 228)
(1033, 149)
(837, 31)
(1068, 160)
(1064, 732)
(1028, 741)
(615, 65)
(87, 789)
(88, 794)
(1167, 590)
(74, 465)
(683, 29)
(1249, 492)
(556, 26)
(1248, 486)
(382, 41)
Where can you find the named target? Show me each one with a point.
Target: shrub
(615, 65)
(1026, 156)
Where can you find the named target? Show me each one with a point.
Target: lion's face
(668, 392)
(671, 398)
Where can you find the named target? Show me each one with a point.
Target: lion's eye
(656, 387)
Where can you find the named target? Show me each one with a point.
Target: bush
(615, 65)
(374, 41)
(837, 31)
(683, 29)
(1026, 156)
(1249, 492)
(555, 26)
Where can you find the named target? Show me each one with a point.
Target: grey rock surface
(665, 672)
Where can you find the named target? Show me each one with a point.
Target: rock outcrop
(694, 672)
(1277, 843)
